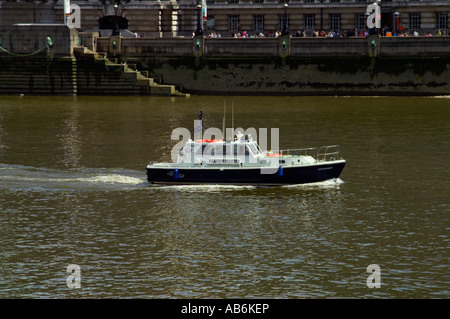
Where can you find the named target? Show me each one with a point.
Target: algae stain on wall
(301, 76)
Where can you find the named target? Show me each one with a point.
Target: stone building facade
(171, 18)
(263, 16)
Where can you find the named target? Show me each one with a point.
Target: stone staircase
(85, 73)
(98, 75)
(37, 76)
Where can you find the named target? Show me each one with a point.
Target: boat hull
(285, 175)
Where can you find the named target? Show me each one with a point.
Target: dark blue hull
(246, 176)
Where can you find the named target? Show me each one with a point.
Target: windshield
(253, 148)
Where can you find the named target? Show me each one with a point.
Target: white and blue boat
(242, 162)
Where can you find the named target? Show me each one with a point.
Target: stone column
(284, 46)
(169, 19)
(115, 45)
(373, 45)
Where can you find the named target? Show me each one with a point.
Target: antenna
(232, 115)
(223, 121)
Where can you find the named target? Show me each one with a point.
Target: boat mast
(223, 120)
(198, 127)
(232, 116)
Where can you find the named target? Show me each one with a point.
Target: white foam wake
(27, 177)
(328, 183)
(204, 187)
(223, 187)
(112, 179)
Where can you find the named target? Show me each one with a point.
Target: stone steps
(87, 73)
(37, 76)
(121, 73)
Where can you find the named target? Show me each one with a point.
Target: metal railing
(309, 151)
(328, 153)
(321, 154)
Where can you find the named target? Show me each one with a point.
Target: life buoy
(208, 141)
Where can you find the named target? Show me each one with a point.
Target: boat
(241, 161)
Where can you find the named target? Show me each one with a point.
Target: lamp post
(115, 30)
(285, 30)
(380, 29)
(66, 11)
(367, 27)
(199, 31)
(396, 15)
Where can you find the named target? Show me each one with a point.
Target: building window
(442, 20)
(414, 21)
(309, 22)
(233, 1)
(335, 0)
(258, 1)
(360, 21)
(281, 22)
(335, 21)
(210, 23)
(233, 23)
(309, 1)
(258, 22)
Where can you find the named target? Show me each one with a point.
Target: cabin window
(199, 149)
(242, 150)
(228, 150)
(220, 150)
(209, 149)
(253, 149)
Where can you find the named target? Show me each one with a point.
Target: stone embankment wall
(37, 75)
(36, 59)
(293, 66)
(56, 60)
(312, 76)
(40, 59)
(278, 47)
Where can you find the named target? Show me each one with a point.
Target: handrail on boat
(328, 153)
(323, 153)
(311, 151)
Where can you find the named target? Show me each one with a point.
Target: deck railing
(309, 151)
(321, 154)
(328, 153)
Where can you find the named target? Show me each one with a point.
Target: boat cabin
(211, 152)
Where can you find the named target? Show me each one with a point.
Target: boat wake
(203, 187)
(335, 182)
(18, 177)
(332, 183)
(112, 179)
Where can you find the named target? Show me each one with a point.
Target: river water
(73, 192)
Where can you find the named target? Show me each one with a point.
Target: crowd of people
(365, 33)
(332, 34)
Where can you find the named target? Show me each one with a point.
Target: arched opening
(107, 22)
